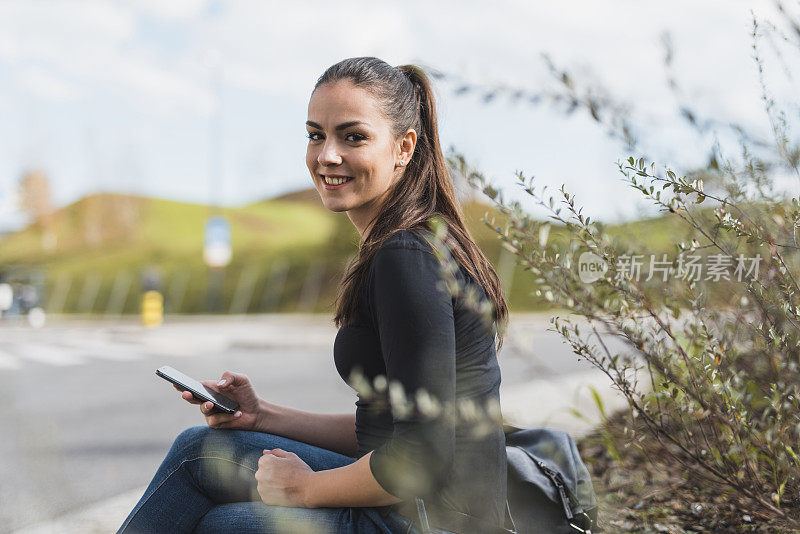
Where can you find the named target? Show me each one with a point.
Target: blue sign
(217, 245)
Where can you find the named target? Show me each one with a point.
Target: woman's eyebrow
(342, 126)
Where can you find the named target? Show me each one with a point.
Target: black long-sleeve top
(409, 329)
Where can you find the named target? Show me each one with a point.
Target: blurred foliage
(720, 356)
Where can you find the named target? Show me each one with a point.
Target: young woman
(374, 153)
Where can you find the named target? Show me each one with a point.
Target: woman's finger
(208, 408)
(222, 419)
(218, 420)
(230, 379)
(188, 396)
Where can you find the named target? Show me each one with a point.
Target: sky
(138, 96)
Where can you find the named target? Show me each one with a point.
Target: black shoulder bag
(549, 491)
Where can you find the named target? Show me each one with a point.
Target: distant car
(27, 288)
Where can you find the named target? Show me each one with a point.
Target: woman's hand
(284, 479)
(235, 386)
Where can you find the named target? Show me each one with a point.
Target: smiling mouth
(335, 180)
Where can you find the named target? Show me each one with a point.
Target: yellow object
(152, 309)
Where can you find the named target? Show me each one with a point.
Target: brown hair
(426, 189)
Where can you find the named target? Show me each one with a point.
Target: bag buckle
(588, 522)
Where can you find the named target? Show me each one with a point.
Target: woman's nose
(329, 155)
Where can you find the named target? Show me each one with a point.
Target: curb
(568, 399)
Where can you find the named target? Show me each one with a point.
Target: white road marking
(69, 352)
(49, 354)
(109, 351)
(9, 361)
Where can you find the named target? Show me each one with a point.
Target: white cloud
(162, 89)
(170, 9)
(37, 30)
(46, 85)
(96, 44)
(281, 48)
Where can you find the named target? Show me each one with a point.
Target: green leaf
(544, 233)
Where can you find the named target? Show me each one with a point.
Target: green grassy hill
(93, 259)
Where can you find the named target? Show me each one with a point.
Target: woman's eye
(355, 137)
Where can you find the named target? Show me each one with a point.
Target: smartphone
(198, 390)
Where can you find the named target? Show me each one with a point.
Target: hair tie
(415, 83)
(408, 74)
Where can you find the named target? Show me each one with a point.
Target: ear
(406, 148)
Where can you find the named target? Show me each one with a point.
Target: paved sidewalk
(548, 401)
(102, 517)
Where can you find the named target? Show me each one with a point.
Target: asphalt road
(86, 418)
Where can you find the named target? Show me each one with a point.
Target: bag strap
(424, 525)
(510, 519)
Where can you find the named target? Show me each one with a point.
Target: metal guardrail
(255, 288)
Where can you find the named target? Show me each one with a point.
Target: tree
(35, 199)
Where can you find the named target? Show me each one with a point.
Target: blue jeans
(207, 483)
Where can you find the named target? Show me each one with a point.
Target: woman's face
(349, 137)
